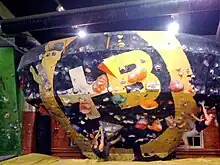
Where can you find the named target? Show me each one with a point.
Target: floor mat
(38, 159)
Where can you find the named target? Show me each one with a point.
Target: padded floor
(37, 159)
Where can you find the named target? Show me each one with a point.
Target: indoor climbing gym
(109, 82)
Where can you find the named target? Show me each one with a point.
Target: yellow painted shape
(35, 76)
(49, 62)
(134, 98)
(116, 85)
(112, 66)
(174, 57)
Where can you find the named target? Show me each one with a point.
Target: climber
(199, 126)
(100, 146)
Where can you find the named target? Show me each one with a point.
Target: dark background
(202, 23)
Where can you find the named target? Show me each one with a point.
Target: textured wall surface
(10, 116)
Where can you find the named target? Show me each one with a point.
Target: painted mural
(123, 92)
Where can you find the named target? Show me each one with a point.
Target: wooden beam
(6, 14)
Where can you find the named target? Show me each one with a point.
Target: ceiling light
(82, 34)
(173, 27)
(60, 8)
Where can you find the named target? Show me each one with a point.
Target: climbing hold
(138, 75)
(88, 70)
(82, 122)
(138, 117)
(170, 102)
(123, 117)
(11, 125)
(75, 91)
(142, 60)
(108, 42)
(115, 89)
(158, 67)
(180, 74)
(156, 126)
(106, 99)
(193, 76)
(148, 104)
(185, 104)
(153, 86)
(85, 107)
(205, 62)
(191, 90)
(130, 122)
(118, 99)
(123, 81)
(121, 45)
(7, 115)
(188, 71)
(131, 136)
(117, 117)
(176, 86)
(100, 84)
(120, 36)
(111, 113)
(178, 69)
(211, 71)
(110, 128)
(141, 124)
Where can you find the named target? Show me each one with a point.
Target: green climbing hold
(118, 99)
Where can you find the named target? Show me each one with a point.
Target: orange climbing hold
(148, 104)
(100, 84)
(156, 126)
(138, 75)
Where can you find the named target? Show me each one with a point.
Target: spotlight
(60, 8)
(173, 28)
(82, 34)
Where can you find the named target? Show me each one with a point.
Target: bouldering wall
(134, 85)
(11, 103)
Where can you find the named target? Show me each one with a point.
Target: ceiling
(202, 23)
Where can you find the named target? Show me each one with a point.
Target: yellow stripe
(174, 57)
(49, 62)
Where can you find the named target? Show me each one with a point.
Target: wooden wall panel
(61, 143)
(28, 133)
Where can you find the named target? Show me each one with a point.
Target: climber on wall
(100, 146)
(199, 126)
